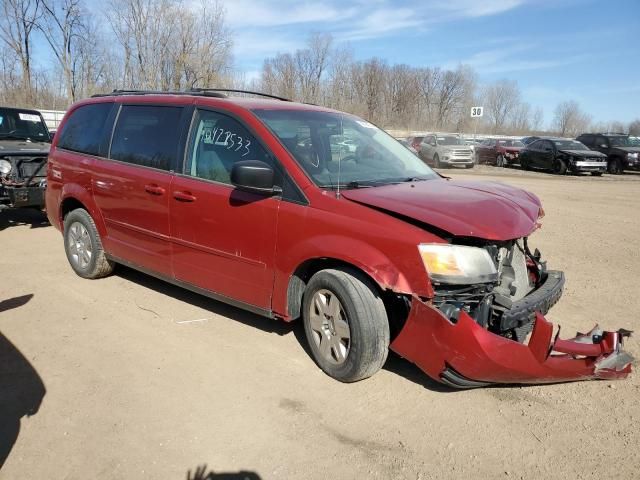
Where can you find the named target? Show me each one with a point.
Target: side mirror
(254, 176)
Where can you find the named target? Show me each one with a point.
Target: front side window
(147, 135)
(339, 149)
(217, 143)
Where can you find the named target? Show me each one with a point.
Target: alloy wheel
(80, 246)
(330, 327)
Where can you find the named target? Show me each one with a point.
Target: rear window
(147, 135)
(84, 130)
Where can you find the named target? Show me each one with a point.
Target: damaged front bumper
(466, 355)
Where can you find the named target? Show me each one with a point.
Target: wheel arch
(74, 196)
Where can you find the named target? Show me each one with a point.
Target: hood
(628, 149)
(584, 153)
(487, 210)
(454, 147)
(23, 147)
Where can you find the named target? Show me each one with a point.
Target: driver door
(224, 239)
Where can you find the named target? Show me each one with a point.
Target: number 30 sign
(476, 111)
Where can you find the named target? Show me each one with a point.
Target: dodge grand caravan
(245, 201)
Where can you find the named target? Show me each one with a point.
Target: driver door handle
(184, 196)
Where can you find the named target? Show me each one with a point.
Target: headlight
(633, 156)
(457, 264)
(5, 167)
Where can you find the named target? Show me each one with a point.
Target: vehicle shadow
(21, 388)
(13, 217)
(202, 473)
(206, 303)
(394, 363)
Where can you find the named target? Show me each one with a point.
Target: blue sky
(583, 50)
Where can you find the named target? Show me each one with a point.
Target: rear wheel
(346, 324)
(83, 246)
(559, 166)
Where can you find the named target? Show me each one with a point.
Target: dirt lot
(144, 380)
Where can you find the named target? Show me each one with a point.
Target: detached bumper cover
(465, 355)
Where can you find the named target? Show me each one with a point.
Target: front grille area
(30, 166)
(461, 153)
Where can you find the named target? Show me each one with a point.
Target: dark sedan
(561, 155)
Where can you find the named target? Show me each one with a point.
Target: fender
(81, 194)
(405, 274)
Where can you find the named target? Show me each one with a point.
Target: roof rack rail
(159, 92)
(233, 90)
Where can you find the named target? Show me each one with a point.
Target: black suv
(24, 146)
(620, 151)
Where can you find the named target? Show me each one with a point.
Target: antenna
(339, 158)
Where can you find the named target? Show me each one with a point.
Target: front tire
(436, 161)
(346, 324)
(559, 167)
(615, 166)
(83, 246)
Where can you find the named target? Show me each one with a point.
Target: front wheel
(500, 161)
(559, 167)
(83, 246)
(346, 324)
(615, 166)
(436, 161)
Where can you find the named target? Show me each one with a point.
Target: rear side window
(84, 130)
(147, 135)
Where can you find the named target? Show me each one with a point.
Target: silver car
(445, 150)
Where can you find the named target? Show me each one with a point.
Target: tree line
(176, 45)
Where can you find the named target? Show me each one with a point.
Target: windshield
(620, 141)
(339, 149)
(569, 145)
(450, 141)
(511, 143)
(25, 125)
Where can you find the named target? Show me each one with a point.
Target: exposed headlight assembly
(633, 156)
(457, 264)
(5, 167)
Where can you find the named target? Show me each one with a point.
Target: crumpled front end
(464, 354)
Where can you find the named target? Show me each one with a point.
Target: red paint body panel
(224, 240)
(433, 343)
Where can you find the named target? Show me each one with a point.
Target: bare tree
(65, 28)
(17, 20)
(536, 120)
(569, 119)
(501, 100)
(634, 128)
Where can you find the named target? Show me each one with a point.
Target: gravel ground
(128, 377)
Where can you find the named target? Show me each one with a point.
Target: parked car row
(595, 153)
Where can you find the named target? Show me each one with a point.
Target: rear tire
(346, 324)
(83, 246)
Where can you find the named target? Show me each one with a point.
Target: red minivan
(245, 201)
